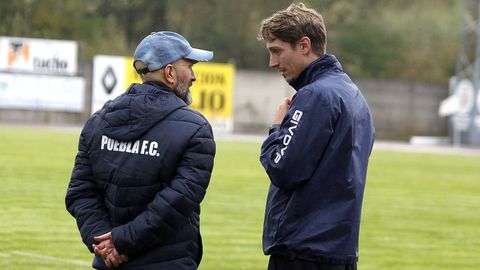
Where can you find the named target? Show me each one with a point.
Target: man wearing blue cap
(143, 165)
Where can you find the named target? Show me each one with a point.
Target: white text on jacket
(288, 137)
(142, 147)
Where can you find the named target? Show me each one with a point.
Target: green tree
(408, 39)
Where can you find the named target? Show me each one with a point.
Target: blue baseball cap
(162, 48)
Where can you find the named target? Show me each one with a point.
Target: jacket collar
(312, 71)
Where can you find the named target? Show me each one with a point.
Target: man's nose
(273, 62)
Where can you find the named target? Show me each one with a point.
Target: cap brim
(199, 55)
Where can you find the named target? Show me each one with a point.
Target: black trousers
(281, 263)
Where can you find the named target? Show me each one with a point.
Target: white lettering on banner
(148, 147)
(288, 137)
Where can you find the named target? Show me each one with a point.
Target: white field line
(48, 258)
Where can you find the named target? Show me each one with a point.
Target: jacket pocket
(276, 209)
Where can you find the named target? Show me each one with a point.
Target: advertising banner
(212, 92)
(111, 77)
(41, 92)
(32, 55)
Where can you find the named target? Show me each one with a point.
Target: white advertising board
(109, 79)
(32, 55)
(41, 92)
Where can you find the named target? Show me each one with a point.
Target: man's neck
(159, 83)
(312, 57)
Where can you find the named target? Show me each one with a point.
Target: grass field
(421, 211)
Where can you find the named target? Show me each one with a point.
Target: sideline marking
(4, 254)
(49, 258)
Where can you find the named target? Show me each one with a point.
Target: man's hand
(106, 249)
(281, 111)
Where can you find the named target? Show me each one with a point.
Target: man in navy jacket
(317, 153)
(143, 165)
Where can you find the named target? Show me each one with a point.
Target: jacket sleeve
(291, 152)
(174, 204)
(84, 200)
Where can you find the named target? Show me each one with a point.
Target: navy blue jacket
(143, 166)
(317, 163)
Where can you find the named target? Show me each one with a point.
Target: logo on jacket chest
(288, 137)
(142, 147)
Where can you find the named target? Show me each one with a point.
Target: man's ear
(169, 74)
(305, 44)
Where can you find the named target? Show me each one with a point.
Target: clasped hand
(106, 249)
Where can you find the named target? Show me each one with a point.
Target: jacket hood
(312, 71)
(131, 114)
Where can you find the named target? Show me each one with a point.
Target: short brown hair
(293, 23)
